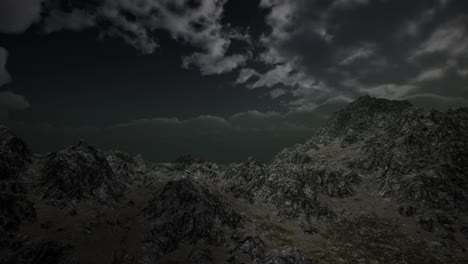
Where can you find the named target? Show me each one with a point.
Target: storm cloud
(391, 49)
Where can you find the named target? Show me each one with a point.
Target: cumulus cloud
(344, 48)
(197, 23)
(246, 74)
(17, 15)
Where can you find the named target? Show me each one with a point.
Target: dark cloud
(17, 15)
(298, 60)
(197, 23)
(394, 49)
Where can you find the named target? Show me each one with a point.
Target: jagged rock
(140, 164)
(39, 252)
(243, 179)
(127, 169)
(205, 172)
(184, 213)
(248, 250)
(421, 158)
(291, 191)
(417, 157)
(185, 161)
(361, 118)
(77, 173)
(14, 155)
(334, 182)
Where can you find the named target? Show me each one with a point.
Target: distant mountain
(381, 182)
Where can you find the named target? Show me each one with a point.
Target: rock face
(15, 208)
(359, 120)
(421, 159)
(77, 173)
(417, 157)
(126, 168)
(185, 161)
(292, 191)
(185, 213)
(14, 155)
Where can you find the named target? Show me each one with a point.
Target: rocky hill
(381, 182)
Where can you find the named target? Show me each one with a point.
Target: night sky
(219, 79)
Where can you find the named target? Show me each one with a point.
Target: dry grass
(372, 240)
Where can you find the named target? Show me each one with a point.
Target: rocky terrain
(381, 182)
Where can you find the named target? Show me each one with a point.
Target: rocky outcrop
(126, 168)
(15, 208)
(416, 156)
(186, 213)
(79, 172)
(293, 191)
(253, 250)
(360, 119)
(14, 155)
(421, 159)
(185, 161)
(248, 250)
(205, 172)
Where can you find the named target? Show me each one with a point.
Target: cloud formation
(197, 23)
(344, 49)
(17, 15)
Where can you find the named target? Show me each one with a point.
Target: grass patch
(276, 234)
(373, 240)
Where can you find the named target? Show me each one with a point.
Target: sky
(222, 80)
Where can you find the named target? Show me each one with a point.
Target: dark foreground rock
(186, 213)
(14, 155)
(79, 172)
(127, 169)
(39, 252)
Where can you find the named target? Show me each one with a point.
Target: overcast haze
(220, 79)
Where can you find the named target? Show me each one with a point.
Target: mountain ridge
(393, 176)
